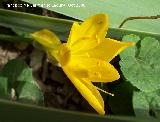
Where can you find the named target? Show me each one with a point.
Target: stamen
(96, 36)
(104, 91)
(98, 40)
(98, 63)
(97, 74)
(100, 22)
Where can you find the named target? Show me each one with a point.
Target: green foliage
(18, 76)
(117, 11)
(3, 86)
(131, 51)
(24, 24)
(30, 93)
(14, 38)
(140, 66)
(15, 72)
(147, 104)
(15, 21)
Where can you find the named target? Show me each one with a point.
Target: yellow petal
(88, 91)
(84, 44)
(74, 34)
(106, 50)
(93, 27)
(46, 38)
(94, 69)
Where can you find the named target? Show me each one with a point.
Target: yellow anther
(97, 74)
(96, 36)
(97, 39)
(98, 63)
(100, 22)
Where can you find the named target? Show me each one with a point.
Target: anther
(97, 74)
(100, 22)
(98, 63)
(97, 39)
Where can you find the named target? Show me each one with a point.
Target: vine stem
(138, 17)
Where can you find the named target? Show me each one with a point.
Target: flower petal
(94, 27)
(74, 34)
(46, 38)
(93, 69)
(106, 50)
(84, 44)
(88, 91)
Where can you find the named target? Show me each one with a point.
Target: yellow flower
(86, 55)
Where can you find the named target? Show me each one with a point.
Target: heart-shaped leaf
(141, 64)
(147, 104)
(18, 76)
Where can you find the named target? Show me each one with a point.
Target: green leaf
(13, 38)
(19, 77)
(140, 104)
(30, 93)
(24, 24)
(131, 51)
(154, 98)
(147, 104)
(141, 66)
(26, 75)
(3, 86)
(13, 71)
(117, 11)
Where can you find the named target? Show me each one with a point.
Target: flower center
(64, 54)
